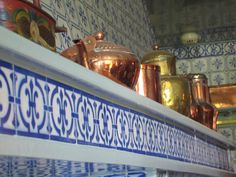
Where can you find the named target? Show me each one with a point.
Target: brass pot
(113, 61)
(149, 83)
(164, 59)
(203, 112)
(176, 93)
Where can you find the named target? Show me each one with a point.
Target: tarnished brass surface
(223, 96)
(113, 61)
(201, 109)
(164, 59)
(176, 93)
(149, 83)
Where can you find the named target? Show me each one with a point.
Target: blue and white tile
(71, 11)
(150, 136)
(227, 132)
(232, 77)
(122, 129)
(31, 117)
(229, 48)
(64, 40)
(7, 113)
(217, 63)
(199, 65)
(105, 118)
(59, 7)
(218, 78)
(138, 132)
(231, 62)
(183, 66)
(83, 21)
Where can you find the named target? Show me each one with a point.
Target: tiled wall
(123, 21)
(217, 60)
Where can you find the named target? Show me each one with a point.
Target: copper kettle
(113, 61)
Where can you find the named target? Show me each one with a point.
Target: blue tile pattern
(34, 167)
(38, 167)
(203, 50)
(36, 106)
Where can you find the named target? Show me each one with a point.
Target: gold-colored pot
(176, 93)
(164, 59)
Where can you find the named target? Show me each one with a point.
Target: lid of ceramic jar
(106, 46)
(157, 55)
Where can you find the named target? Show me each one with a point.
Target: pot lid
(102, 45)
(197, 76)
(157, 55)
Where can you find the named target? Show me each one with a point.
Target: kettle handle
(86, 49)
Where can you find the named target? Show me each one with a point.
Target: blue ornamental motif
(138, 138)
(62, 103)
(106, 115)
(86, 113)
(32, 96)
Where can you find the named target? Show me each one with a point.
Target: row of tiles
(32, 167)
(219, 70)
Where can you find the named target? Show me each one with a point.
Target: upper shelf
(45, 96)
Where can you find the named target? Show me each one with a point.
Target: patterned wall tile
(217, 63)
(218, 78)
(199, 65)
(227, 132)
(183, 66)
(232, 77)
(231, 62)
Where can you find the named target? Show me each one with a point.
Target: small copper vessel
(176, 93)
(164, 59)
(113, 61)
(149, 83)
(202, 110)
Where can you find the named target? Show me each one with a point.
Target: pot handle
(86, 49)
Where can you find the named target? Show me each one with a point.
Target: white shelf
(40, 68)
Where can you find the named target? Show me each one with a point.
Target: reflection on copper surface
(223, 96)
(176, 93)
(164, 59)
(111, 60)
(149, 82)
(201, 109)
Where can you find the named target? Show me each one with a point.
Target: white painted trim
(43, 57)
(35, 148)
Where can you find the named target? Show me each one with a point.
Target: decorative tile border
(204, 50)
(15, 166)
(20, 166)
(37, 106)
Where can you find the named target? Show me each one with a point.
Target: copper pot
(203, 112)
(149, 82)
(113, 61)
(30, 21)
(164, 59)
(176, 93)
